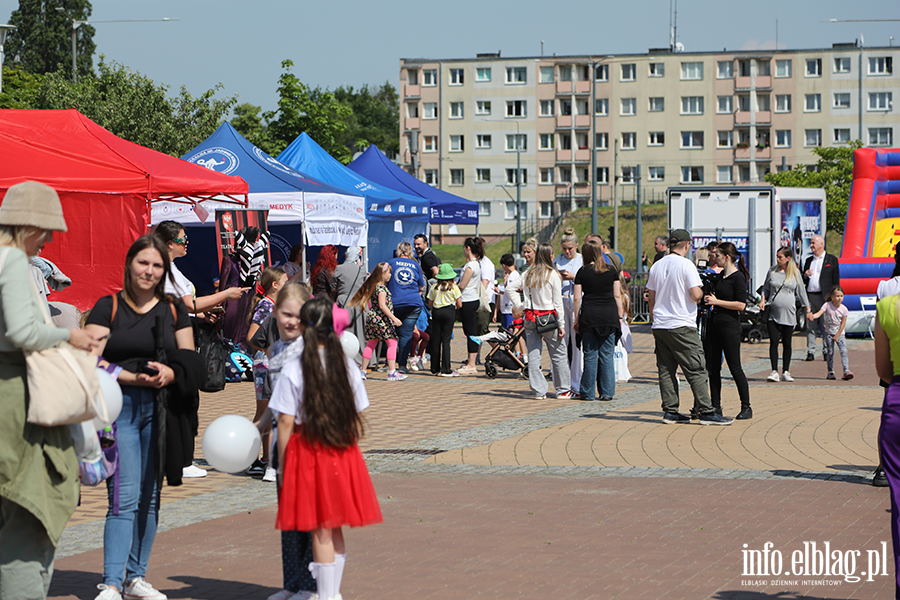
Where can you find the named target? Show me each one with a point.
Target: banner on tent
(336, 233)
(230, 222)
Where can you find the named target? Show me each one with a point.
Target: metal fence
(636, 291)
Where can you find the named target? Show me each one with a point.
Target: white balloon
(111, 395)
(231, 443)
(350, 344)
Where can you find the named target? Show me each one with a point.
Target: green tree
(375, 118)
(133, 107)
(833, 172)
(249, 123)
(42, 40)
(19, 88)
(301, 109)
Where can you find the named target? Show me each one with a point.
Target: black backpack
(214, 354)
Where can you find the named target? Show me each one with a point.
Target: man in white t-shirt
(483, 319)
(674, 290)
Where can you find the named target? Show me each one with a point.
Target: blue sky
(241, 44)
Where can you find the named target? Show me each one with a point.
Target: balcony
(583, 155)
(742, 83)
(582, 120)
(411, 91)
(743, 117)
(582, 188)
(412, 122)
(582, 87)
(563, 87)
(742, 153)
(563, 156)
(763, 116)
(762, 82)
(564, 122)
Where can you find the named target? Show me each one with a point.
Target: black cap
(679, 235)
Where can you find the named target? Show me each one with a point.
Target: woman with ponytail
(325, 482)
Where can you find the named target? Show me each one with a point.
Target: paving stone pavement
(487, 492)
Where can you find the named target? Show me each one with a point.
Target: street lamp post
(4, 29)
(518, 184)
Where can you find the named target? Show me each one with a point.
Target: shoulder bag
(543, 323)
(764, 316)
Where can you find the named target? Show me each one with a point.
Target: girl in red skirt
(326, 484)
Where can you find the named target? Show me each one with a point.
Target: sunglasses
(181, 240)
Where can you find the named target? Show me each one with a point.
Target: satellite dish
(679, 47)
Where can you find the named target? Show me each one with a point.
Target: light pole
(77, 24)
(518, 184)
(4, 29)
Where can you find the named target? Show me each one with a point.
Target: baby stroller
(503, 355)
(754, 329)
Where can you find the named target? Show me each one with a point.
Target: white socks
(339, 560)
(325, 575)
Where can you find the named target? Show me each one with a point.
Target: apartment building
(685, 118)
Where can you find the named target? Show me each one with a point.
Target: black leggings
(724, 337)
(467, 314)
(785, 332)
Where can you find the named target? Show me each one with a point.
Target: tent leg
(303, 238)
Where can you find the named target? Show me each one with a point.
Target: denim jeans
(409, 315)
(599, 353)
(128, 536)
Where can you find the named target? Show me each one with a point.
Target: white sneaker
(107, 593)
(773, 376)
(786, 376)
(270, 475)
(413, 365)
(138, 589)
(281, 595)
(193, 471)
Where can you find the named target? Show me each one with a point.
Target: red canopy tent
(106, 185)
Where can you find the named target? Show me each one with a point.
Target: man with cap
(348, 278)
(674, 291)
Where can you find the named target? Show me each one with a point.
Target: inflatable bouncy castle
(873, 224)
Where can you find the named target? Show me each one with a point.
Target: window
(763, 102)
(629, 106)
(601, 141)
(601, 73)
(813, 67)
(430, 110)
(430, 143)
(813, 103)
(744, 174)
(881, 136)
(725, 104)
(692, 105)
(565, 175)
(601, 107)
(841, 101)
(457, 143)
(628, 140)
(483, 74)
(657, 138)
(764, 67)
(431, 177)
(483, 140)
(782, 103)
(880, 100)
(546, 210)
(516, 108)
(629, 71)
(483, 176)
(457, 76)
(516, 75)
(566, 73)
(725, 139)
(724, 174)
(545, 141)
(511, 142)
(565, 107)
(657, 69)
(691, 174)
(603, 175)
(429, 77)
(692, 70)
(744, 103)
(482, 107)
(456, 110)
(511, 210)
(657, 173)
(412, 76)
(743, 68)
(841, 136)
(546, 74)
(565, 141)
(813, 137)
(881, 65)
(691, 139)
(782, 138)
(412, 110)
(547, 176)
(511, 177)
(547, 108)
(725, 69)
(457, 177)
(484, 209)
(657, 104)
(628, 174)
(783, 68)
(842, 64)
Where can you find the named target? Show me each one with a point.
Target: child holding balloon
(326, 484)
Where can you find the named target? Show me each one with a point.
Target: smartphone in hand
(146, 369)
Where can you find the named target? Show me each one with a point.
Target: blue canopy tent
(446, 208)
(332, 215)
(393, 216)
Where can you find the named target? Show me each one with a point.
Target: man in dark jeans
(406, 286)
(821, 274)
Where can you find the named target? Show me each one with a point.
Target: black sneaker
(714, 419)
(404, 370)
(675, 417)
(746, 413)
(694, 414)
(810, 357)
(257, 468)
(879, 479)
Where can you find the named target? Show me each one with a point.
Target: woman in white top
(469, 281)
(541, 287)
(567, 264)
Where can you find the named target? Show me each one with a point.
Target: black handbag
(546, 323)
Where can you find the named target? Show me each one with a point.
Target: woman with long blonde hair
(782, 288)
(538, 295)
